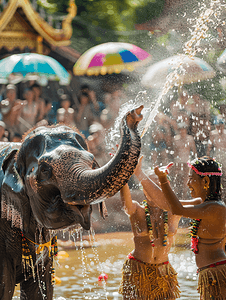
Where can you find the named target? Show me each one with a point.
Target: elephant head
(54, 178)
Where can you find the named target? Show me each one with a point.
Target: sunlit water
(207, 17)
(79, 272)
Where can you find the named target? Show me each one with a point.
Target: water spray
(191, 47)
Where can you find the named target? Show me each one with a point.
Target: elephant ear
(29, 152)
(14, 202)
(8, 159)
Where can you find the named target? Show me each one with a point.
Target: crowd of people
(186, 130)
(89, 115)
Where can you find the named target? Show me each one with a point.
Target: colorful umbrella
(32, 66)
(186, 70)
(110, 58)
(221, 62)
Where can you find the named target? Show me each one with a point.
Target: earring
(206, 187)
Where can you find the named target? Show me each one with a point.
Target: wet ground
(79, 269)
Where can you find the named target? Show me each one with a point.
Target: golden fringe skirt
(146, 281)
(212, 283)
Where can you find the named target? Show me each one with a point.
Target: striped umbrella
(186, 70)
(32, 66)
(110, 58)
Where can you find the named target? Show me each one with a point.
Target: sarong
(212, 282)
(141, 280)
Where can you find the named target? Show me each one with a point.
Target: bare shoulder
(136, 208)
(138, 211)
(215, 206)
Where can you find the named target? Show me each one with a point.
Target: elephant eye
(45, 172)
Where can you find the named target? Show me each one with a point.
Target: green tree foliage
(100, 21)
(148, 10)
(113, 14)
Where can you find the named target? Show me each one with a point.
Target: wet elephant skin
(49, 182)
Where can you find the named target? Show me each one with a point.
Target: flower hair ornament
(205, 173)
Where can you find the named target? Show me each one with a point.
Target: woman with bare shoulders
(147, 273)
(39, 101)
(208, 231)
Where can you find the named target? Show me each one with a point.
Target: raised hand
(163, 172)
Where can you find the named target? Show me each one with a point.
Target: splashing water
(89, 291)
(96, 257)
(208, 16)
(141, 98)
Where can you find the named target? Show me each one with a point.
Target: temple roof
(25, 24)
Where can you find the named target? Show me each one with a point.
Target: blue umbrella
(221, 62)
(33, 66)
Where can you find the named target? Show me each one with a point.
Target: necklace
(193, 234)
(150, 228)
(166, 227)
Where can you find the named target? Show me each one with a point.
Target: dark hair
(206, 164)
(84, 94)
(35, 85)
(84, 86)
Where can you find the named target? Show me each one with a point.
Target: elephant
(49, 182)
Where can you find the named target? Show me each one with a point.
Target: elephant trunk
(95, 184)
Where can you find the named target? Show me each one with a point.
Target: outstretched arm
(201, 211)
(128, 204)
(153, 191)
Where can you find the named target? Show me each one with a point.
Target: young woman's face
(195, 184)
(84, 100)
(29, 96)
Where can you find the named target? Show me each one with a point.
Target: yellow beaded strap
(27, 260)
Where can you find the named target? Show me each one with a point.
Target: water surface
(80, 270)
